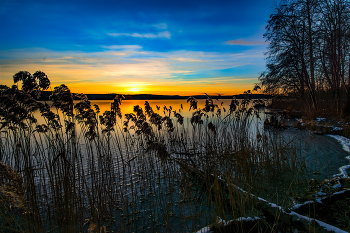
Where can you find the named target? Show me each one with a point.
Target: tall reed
(83, 170)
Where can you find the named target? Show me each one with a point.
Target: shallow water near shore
(323, 155)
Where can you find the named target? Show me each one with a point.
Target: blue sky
(173, 47)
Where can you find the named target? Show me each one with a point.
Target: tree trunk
(346, 111)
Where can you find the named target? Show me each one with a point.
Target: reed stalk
(86, 171)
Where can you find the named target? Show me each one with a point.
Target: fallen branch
(305, 207)
(269, 209)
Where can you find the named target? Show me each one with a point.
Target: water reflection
(127, 105)
(321, 154)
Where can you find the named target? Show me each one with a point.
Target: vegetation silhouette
(81, 170)
(307, 55)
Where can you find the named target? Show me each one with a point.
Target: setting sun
(134, 89)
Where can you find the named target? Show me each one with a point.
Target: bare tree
(308, 51)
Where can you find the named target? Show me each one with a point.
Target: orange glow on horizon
(182, 90)
(81, 80)
(158, 90)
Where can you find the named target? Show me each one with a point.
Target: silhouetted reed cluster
(66, 167)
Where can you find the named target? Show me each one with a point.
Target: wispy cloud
(188, 59)
(245, 42)
(122, 47)
(161, 26)
(164, 34)
(117, 64)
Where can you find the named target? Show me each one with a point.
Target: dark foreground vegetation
(69, 168)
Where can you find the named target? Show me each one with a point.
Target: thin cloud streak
(119, 64)
(193, 60)
(161, 26)
(164, 34)
(122, 47)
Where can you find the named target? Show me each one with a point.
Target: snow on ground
(345, 142)
(336, 128)
(325, 226)
(241, 219)
(204, 230)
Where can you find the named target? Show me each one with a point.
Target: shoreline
(318, 126)
(45, 95)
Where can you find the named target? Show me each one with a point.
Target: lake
(135, 182)
(323, 155)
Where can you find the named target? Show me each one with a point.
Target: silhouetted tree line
(308, 52)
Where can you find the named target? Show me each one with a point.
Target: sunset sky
(136, 46)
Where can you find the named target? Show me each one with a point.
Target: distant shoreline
(45, 95)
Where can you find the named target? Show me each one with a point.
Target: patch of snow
(320, 119)
(322, 224)
(337, 128)
(204, 230)
(318, 200)
(243, 219)
(321, 194)
(343, 171)
(343, 140)
(222, 221)
(340, 192)
(298, 205)
(336, 186)
(273, 205)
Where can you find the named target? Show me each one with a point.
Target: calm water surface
(323, 155)
(127, 105)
